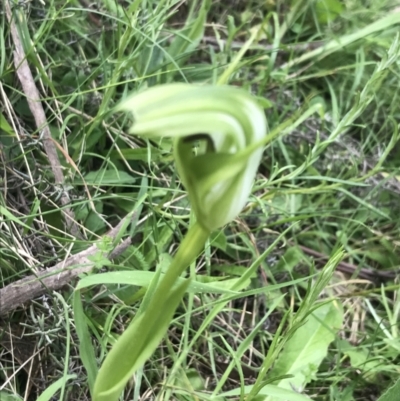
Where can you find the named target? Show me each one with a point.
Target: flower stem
(190, 247)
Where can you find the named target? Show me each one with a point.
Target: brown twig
(33, 98)
(56, 277)
(344, 267)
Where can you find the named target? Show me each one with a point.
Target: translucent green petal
(218, 183)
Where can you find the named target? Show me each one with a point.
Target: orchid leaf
(144, 279)
(136, 344)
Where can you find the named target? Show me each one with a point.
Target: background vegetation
(333, 180)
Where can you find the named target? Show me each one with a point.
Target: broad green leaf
(362, 360)
(93, 221)
(143, 279)
(305, 350)
(291, 258)
(328, 10)
(106, 177)
(218, 240)
(392, 393)
(192, 377)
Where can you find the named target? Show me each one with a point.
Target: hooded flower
(213, 126)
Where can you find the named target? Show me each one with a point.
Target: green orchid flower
(212, 126)
(219, 133)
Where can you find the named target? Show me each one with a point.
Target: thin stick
(349, 268)
(56, 277)
(33, 98)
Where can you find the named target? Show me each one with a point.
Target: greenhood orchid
(219, 133)
(212, 126)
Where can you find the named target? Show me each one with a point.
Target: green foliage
(328, 10)
(270, 390)
(308, 347)
(134, 347)
(143, 279)
(148, 327)
(325, 73)
(9, 397)
(177, 116)
(86, 350)
(392, 393)
(52, 389)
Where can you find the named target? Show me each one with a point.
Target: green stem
(190, 247)
(145, 332)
